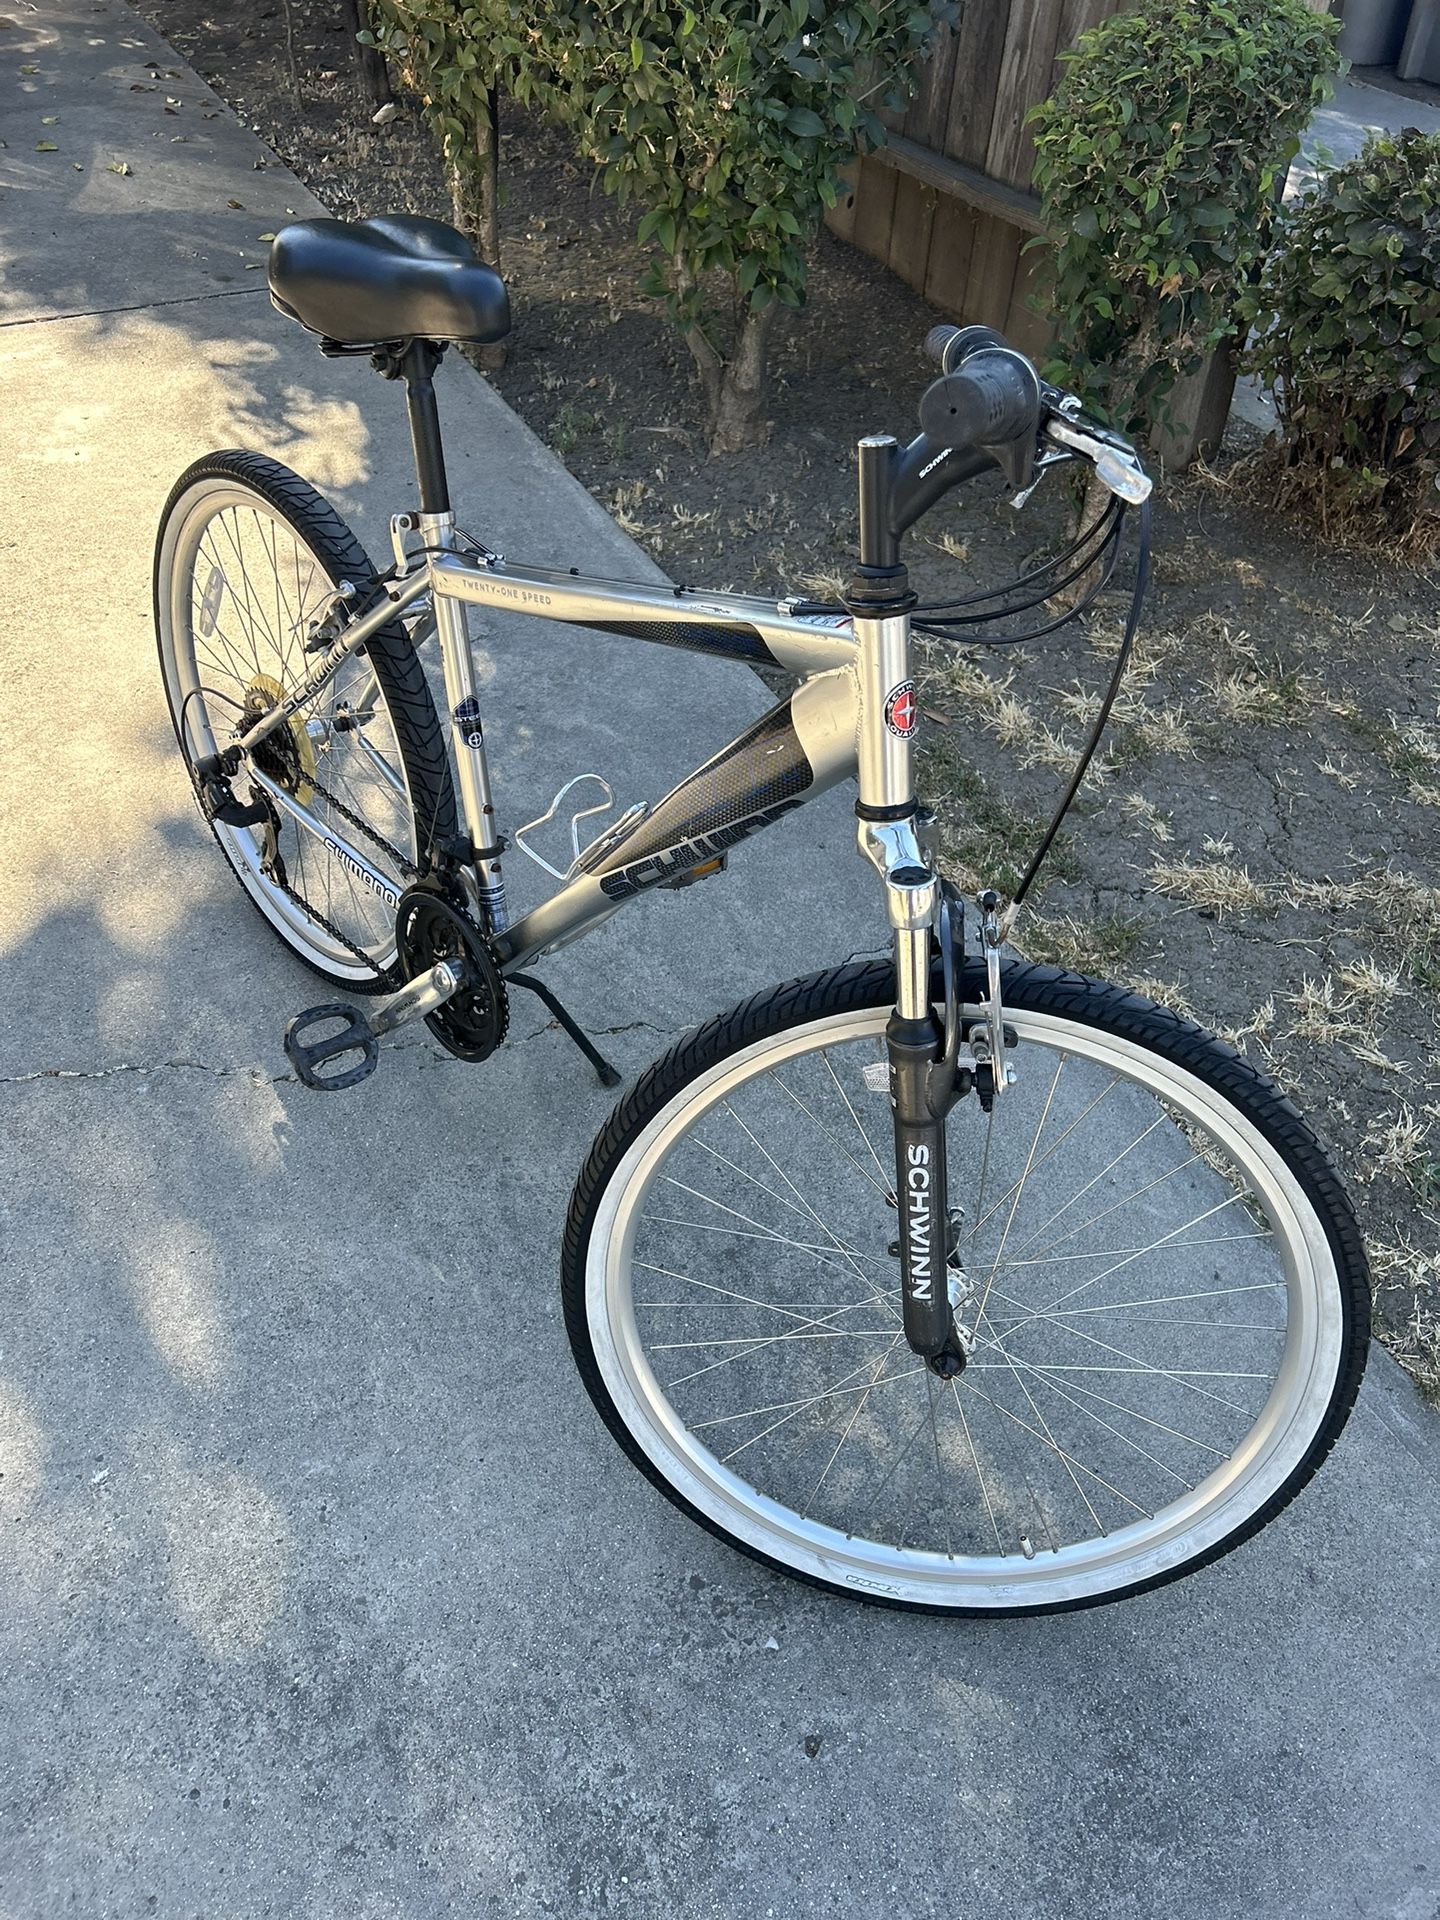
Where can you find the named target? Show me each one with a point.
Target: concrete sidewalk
(322, 1591)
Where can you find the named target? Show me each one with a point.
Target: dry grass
(1411, 1273)
(1211, 886)
(1146, 814)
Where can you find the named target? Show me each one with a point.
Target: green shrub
(1158, 162)
(1348, 318)
(726, 122)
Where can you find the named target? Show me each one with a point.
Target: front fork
(925, 1080)
(924, 1074)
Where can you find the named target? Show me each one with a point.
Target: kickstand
(604, 1072)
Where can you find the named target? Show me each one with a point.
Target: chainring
(428, 927)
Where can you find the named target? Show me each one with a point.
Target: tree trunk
(735, 389)
(475, 202)
(373, 71)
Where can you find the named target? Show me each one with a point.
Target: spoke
(1049, 1152)
(752, 1342)
(805, 1246)
(1118, 1406)
(812, 1400)
(1045, 1225)
(1124, 1438)
(1124, 1201)
(1159, 1373)
(725, 1161)
(1112, 1253)
(856, 1411)
(980, 1477)
(795, 1413)
(240, 605)
(859, 1124)
(748, 1299)
(1170, 1299)
(1030, 1399)
(943, 1507)
(1130, 1259)
(251, 610)
(898, 1462)
(1020, 1188)
(824, 1227)
(758, 1343)
(864, 1172)
(1136, 1364)
(1077, 1465)
(769, 1233)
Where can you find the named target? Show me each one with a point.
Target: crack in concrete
(260, 1078)
(138, 306)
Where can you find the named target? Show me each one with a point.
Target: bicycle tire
(1041, 1000)
(230, 479)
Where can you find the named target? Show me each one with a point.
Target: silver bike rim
(192, 533)
(1297, 1286)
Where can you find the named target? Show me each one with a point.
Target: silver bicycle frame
(839, 722)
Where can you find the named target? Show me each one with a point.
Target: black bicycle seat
(396, 277)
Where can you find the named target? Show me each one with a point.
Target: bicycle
(950, 1281)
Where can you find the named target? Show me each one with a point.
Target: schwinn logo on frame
(671, 862)
(313, 681)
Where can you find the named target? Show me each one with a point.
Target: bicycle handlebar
(990, 400)
(990, 397)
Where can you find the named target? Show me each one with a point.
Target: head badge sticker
(901, 711)
(467, 722)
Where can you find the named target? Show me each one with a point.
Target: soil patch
(1259, 846)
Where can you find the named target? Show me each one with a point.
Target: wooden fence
(948, 204)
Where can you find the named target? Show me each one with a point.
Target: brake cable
(1092, 742)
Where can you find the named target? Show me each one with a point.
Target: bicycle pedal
(309, 1056)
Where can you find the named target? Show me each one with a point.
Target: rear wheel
(1154, 1261)
(247, 559)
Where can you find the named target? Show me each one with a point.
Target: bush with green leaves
(1159, 160)
(1347, 318)
(726, 122)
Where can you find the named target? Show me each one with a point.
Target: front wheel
(1153, 1265)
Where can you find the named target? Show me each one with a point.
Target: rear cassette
(429, 928)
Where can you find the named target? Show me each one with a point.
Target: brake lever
(1116, 464)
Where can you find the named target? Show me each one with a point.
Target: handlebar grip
(990, 401)
(937, 340)
(949, 346)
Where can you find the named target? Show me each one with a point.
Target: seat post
(417, 368)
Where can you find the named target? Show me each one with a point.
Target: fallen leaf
(77, 166)
(239, 205)
(142, 86)
(382, 116)
(31, 69)
(121, 166)
(171, 101)
(48, 119)
(211, 113)
(46, 146)
(264, 236)
(170, 110)
(254, 266)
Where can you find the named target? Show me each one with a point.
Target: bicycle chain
(387, 976)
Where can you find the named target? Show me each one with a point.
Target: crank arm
(420, 996)
(354, 1035)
